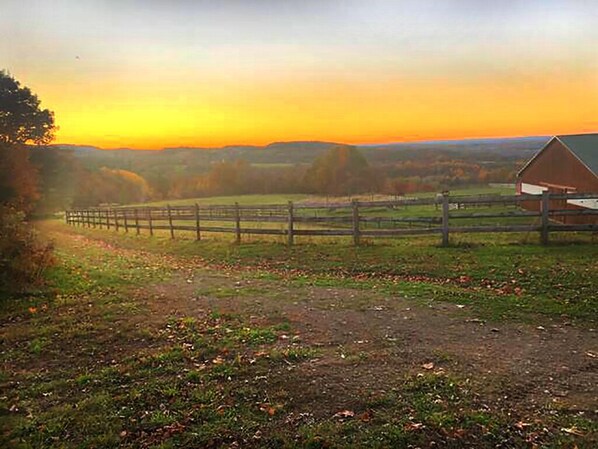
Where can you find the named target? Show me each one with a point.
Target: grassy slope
(498, 277)
(97, 368)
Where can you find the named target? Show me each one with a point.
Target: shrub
(23, 258)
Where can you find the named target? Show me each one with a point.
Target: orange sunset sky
(153, 74)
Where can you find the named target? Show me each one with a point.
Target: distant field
(275, 165)
(475, 190)
(299, 197)
(241, 199)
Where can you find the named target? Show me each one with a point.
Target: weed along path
(178, 346)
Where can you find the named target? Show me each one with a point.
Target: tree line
(66, 182)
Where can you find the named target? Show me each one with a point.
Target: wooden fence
(357, 219)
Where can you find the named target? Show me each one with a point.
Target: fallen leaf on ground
(344, 414)
(366, 416)
(413, 426)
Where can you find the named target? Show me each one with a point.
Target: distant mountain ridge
(468, 141)
(193, 160)
(478, 143)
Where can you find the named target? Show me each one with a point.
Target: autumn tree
(341, 171)
(56, 178)
(22, 122)
(110, 186)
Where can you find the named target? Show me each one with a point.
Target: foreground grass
(497, 276)
(100, 362)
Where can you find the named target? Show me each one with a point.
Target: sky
(153, 74)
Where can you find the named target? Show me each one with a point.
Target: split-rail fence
(445, 215)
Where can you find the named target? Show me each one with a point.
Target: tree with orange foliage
(110, 186)
(341, 171)
(22, 122)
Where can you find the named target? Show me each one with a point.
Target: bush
(23, 259)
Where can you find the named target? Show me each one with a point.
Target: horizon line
(357, 144)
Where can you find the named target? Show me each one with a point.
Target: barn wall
(556, 165)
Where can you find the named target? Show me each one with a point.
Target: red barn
(565, 164)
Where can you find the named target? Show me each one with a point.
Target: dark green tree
(22, 120)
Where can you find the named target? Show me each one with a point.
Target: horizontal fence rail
(443, 214)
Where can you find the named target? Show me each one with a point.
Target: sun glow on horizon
(257, 72)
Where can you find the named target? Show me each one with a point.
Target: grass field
(241, 199)
(149, 342)
(285, 198)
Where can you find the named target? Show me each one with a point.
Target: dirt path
(369, 339)
(372, 339)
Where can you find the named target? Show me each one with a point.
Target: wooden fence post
(66, 217)
(197, 231)
(291, 224)
(88, 218)
(170, 221)
(125, 215)
(107, 219)
(545, 207)
(445, 219)
(149, 221)
(237, 224)
(115, 219)
(356, 232)
(136, 221)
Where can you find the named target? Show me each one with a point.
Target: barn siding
(557, 166)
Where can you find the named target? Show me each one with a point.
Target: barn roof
(583, 146)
